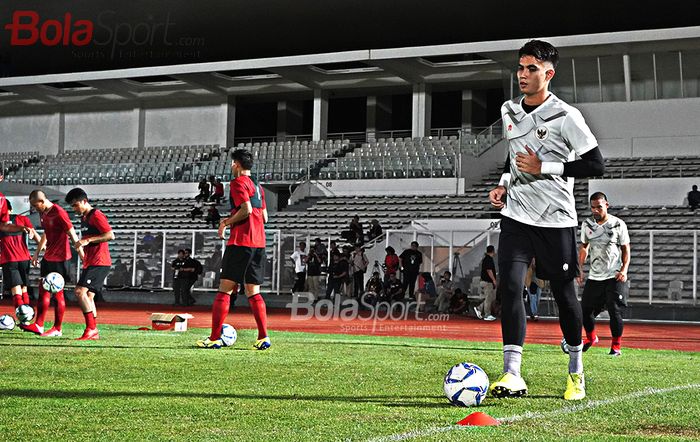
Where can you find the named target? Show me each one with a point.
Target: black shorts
(93, 278)
(15, 273)
(553, 248)
(598, 294)
(244, 265)
(60, 267)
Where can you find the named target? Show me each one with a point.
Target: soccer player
(58, 229)
(15, 258)
(244, 256)
(97, 263)
(539, 217)
(604, 238)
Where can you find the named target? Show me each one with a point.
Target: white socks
(512, 359)
(576, 358)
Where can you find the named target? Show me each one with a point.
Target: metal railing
(478, 143)
(640, 171)
(141, 258)
(389, 166)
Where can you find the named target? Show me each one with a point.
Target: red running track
(681, 337)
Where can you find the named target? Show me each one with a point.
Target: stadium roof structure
(462, 64)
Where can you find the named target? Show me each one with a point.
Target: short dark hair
(188, 251)
(414, 242)
(390, 250)
(76, 194)
(36, 195)
(490, 249)
(599, 196)
(181, 251)
(541, 50)
(244, 157)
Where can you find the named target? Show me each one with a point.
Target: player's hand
(222, 230)
(529, 162)
(81, 252)
(496, 197)
(579, 278)
(621, 276)
(35, 262)
(81, 243)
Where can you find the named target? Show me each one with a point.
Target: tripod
(456, 265)
(377, 268)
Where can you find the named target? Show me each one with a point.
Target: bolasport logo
(29, 28)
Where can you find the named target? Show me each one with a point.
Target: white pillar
(628, 77)
(141, 142)
(230, 121)
(371, 117)
(320, 127)
(421, 110)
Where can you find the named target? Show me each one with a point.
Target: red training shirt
(94, 224)
(14, 245)
(56, 225)
(251, 231)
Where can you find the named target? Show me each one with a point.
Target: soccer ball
(228, 335)
(7, 322)
(466, 385)
(53, 282)
(24, 313)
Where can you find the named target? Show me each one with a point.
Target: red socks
(42, 306)
(616, 343)
(25, 297)
(219, 310)
(17, 301)
(60, 310)
(591, 336)
(90, 321)
(257, 305)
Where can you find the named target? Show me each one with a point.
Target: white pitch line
(536, 415)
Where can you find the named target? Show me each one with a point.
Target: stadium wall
(24, 133)
(644, 191)
(378, 187)
(97, 127)
(645, 128)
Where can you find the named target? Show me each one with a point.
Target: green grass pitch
(135, 385)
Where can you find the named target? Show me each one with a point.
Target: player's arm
(497, 194)
(582, 255)
(13, 228)
(622, 274)
(102, 237)
(241, 214)
(39, 248)
(590, 164)
(264, 214)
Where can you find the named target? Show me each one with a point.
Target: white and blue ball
(24, 313)
(53, 282)
(7, 322)
(466, 385)
(228, 335)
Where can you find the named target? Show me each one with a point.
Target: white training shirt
(556, 132)
(299, 258)
(605, 243)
